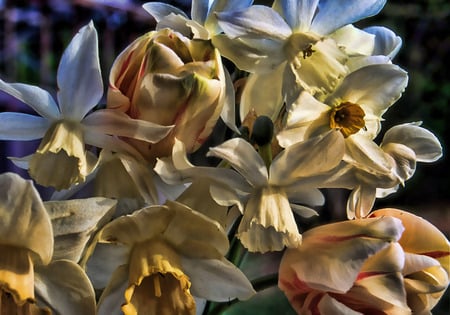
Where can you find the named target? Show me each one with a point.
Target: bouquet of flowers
(191, 189)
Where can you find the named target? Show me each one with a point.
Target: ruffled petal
(35, 97)
(19, 126)
(79, 77)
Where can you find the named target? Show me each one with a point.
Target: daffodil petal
(35, 97)
(105, 259)
(25, 222)
(112, 297)
(387, 43)
(204, 11)
(332, 15)
(298, 14)
(244, 158)
(64, 287)
(79, 77)
(308, 158)
(376, 86)
(75, 221)
(257, 20)
(19, 126)
(354, 40)
(262, 93)
(160, 10)
(217, 280)
(423, 142)
(119, 124)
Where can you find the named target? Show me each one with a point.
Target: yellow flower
(169, 254)
(30, 283)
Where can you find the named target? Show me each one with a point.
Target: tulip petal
(217, 280)
(35, 97)
(19, 126)
(64, 287)
(332, 255)
(79, 78)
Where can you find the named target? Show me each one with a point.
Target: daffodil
(266, 195)
(290, 47)
(61, 159)
(164, 255)
(30, 282)
(355, 108)
(386, 166)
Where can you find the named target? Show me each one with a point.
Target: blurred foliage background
(33, 35)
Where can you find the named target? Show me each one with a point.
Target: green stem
(265, 151)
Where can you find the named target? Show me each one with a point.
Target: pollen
(347, 117)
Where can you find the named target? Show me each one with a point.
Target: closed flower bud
(168, 79)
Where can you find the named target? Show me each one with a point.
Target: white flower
(265, 196)
(290, 47)
(61, 159)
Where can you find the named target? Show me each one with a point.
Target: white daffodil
(355, 108)
(30, 282)
(387, 166)
(61, 159)
(290, 47)
(266, 196)
(163, 256)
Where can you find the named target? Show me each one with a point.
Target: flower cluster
(149, 217)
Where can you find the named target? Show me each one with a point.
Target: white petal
(360, 202)
(354, 41)
(332, 15)
(105, 259)
(160, 10)
(206, 15)
(387, 43)
(244, 158)
(375, 87)
(112, 297)
(64, 287)
(228, 114)
(257, 20)
(79, 79)
(35, 97)
(75, 221)
(298, 14)
(262, 92)
(116, 123)
(308, 158)
(217, 280)
(19, 126)
(424, 143)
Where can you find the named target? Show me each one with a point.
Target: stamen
(308, 51)
(157, 285)
(347, 117)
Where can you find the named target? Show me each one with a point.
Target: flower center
(348, 117)
(300, 47)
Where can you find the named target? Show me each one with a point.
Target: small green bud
(262, 132)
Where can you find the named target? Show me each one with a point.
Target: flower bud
(168, 79)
